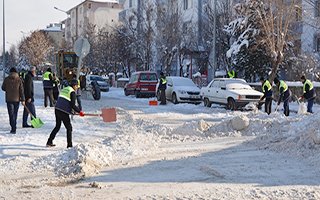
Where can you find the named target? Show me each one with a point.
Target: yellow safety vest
(66, 93)
(163, 80)
(283, 85)
(231, 74)
(307, 82)
(266, 83)
(46, 76)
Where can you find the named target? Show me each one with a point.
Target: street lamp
(4, 45)
(60, 10)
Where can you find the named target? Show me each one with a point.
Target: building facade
(99, 14)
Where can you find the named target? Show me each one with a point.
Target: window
(318, 44)
(130, 3)
(317, 8)
(89, 5)
(187, 4)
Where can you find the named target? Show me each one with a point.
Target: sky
(24, 16)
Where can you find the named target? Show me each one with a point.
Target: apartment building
(98, 13)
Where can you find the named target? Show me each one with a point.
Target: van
(142, 83)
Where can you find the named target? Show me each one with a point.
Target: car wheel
(206, 102)
(137, 94)
(174, 98)
(231, 104)
(96, 93)
(126, 92)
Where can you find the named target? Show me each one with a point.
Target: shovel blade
(109, 114)
(36, 122)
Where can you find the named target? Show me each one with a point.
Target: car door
(222, 93)
(131, 84)
(212, 90)
(169, 88)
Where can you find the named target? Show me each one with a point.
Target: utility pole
(4, 45)
(214, 38)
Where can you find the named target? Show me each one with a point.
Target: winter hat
(13, 69)
(49, 69)
(276, 81)
(303, 77)
(73, 82)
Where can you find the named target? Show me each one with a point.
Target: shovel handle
(27, 109)
(91, 114)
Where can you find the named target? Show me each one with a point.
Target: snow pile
(135, 137)
(240, 123)
(82, 160)
(299, 138)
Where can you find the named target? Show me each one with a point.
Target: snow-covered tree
(247, 54)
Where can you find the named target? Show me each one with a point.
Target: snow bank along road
(162, 152)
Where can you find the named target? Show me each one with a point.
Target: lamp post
(4, 45)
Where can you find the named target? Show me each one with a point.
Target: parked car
(142, 83)
(102, 83)
(234, 93)
(181, 90)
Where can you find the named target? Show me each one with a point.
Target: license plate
(144, 89)
(193, 97)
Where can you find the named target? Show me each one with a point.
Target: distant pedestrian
(78, 93)
(56, 84)
(65, 107)
(13, 87)
(284, 95)
(308, 93)
(267, 94)
(231, 74)
(29, 96)
(162, 87)
(48, 88)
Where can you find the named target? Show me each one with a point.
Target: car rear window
(148, 77)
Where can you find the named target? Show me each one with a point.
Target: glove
(81, 113)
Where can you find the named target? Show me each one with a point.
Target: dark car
(142, 83)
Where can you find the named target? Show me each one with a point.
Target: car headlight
(182, 91)
(241, 97)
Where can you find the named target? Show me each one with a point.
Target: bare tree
(36, 47)
(276, 18)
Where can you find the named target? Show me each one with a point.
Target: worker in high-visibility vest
(48, 87)
(308, 93)
(162, 88)
(65, 106)
(232, 74)
(267, 94)
(284, 95)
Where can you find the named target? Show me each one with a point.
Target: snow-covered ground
(162, 152)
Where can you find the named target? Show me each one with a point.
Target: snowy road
(161, 152)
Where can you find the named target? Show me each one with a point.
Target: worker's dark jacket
(28, 86)
(67, 101)
(309, 93)
(47, 80)
(163, 83)
(267, 89)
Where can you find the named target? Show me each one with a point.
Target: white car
(181, 90)
(232, 92)
(103, 84)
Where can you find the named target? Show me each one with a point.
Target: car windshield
(148, 77)
(238, 86)
(96, 78)
(182, 82)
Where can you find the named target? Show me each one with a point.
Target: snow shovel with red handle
(108, 114)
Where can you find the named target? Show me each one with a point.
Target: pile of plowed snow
(299, 137)
(82, 160)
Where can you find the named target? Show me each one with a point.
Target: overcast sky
(28, 15)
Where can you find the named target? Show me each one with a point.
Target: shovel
(108, 114)
(35, 122)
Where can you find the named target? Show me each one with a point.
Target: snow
(182, 151)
